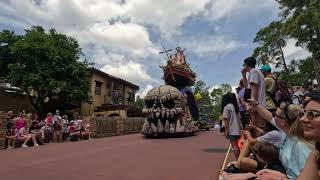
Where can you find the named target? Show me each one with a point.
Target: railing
(132, 125)
(106, 126)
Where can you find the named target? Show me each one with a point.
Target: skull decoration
(165, 112)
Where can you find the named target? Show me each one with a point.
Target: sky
(124, 37)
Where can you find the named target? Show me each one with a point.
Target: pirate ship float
(171, 109)
(177, 72)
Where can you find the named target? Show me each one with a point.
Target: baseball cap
(266, 68)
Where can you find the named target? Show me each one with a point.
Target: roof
(136, 87)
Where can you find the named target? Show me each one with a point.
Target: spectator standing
(270, 87)
(57, 126)
(242, 107)
(57, 117)
(254, 82)
(231, 117)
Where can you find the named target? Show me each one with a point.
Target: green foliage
(139, 103)
(200, 87)
(216, 95)
(300, 72)
(226, 88)
(46, 63)
(211, 101)
(7, 38)
(205, 103)
(271, 40)
(301, 20)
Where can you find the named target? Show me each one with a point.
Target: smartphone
(247, 95)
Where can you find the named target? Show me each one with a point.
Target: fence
(132, 125)
(108, 126)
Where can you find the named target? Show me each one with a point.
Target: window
(98, 87)
(129, 96)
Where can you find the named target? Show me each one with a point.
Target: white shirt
(257, 78)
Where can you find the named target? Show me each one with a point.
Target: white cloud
(167, 15)
(214, 45)
(131, 71)
(119, 38)
(145, 91)
(291, 51)
(221, 9)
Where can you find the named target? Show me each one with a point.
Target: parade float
(171, 109)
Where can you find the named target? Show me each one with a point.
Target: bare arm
(244, 79)
(263, 112)
(257, 129)
(250, 139)
(226, 125)
(310, 170)
(254, 91)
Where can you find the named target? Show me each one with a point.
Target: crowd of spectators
(27, 130)
(274, 129)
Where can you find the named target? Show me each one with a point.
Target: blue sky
(123, 37)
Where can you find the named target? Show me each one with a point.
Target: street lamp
(90, 102)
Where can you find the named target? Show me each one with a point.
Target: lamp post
(90, 102)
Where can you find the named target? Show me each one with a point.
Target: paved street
(129, 157)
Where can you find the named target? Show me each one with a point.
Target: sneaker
(36, 144)
(24, 146)
(232, 169)
(10, 147)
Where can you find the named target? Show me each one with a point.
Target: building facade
(109, 95)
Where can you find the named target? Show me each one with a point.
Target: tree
(7, 38)
(216, 96)
(301, 20)
(205, 103)
(226, 88)
(46, 66)
(200, 87)
(271, 40)
(300, 71)
(139, 103)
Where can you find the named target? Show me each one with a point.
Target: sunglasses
(275, 115)
(310, 114)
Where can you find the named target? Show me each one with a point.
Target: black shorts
(244, 117)
(233, 137)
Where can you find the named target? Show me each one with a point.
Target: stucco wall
(104, 98)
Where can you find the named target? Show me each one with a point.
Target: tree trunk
(284, 61)
(37, 106)
(285, 67)
(316, 62)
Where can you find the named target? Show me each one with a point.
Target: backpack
(282, 93)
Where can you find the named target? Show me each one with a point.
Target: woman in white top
(231, 117)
